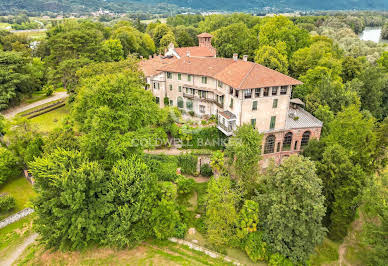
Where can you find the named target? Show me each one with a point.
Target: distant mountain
(123, 6)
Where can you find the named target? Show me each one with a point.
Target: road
(12, 112)
(18, 251)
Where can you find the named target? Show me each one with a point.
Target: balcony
(226, 122)
(205, 99)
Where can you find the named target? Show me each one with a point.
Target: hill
(162, 6)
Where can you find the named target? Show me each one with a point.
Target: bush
(48, 90)
(7, 203)
(255, 247)
(163, 166)
(185, 185)
(180, 230)
(187, 163)
(9, 165)
(166, 101)
(279, 260)
(206, 138)
(191, 113)
(206, 170)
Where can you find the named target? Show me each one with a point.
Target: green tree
(116, 116)
(73, 200)
(134, 192)
(281, 29)
(9, 165)
(221, 212)
(291, 208)
(159, 32)
(272, 58)
(185, 36)
(165, 42)
(235, 38)
(244, 153)
(113, 50)
(343, 182)
(15, 77)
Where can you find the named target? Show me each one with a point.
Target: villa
(236, 91)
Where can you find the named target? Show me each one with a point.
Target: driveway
(12, 112)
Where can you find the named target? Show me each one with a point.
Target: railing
(191, 96)
(226, 128)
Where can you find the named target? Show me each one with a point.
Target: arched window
(269, 146)
(287, 142)
(180, 102)
(305, 138)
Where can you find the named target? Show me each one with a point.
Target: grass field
(149, 253)
(33, 35)
(14, 234)
(51, 120)
(21, 190)
(4, 25)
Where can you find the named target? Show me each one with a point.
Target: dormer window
(257, 92)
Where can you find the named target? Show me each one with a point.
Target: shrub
(255, 247)
(48, 90)
(191, 113)
(187, 163)
(7, 203)
(166, 101)
(8, 164)
(279, 260)
(163, 166)
(180, 230)
(206, 138)
(206, 170)
(185, 185)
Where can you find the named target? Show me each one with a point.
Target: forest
(96, 188)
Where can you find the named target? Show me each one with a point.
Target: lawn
(21, 190)
(14, 234)
(51, 120)
(148, 253)
(326, 253)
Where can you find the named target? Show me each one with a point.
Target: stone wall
(16, 217)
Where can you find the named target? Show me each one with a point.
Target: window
(170, 87)
(180, 88)
(283, 90)
(257, 92)
(188, 77)
(204, 80)
(287, 142)
(180, 102)
(266, 91)
(295, 145)
(231, 103)
(219, 84)
(278, 147)
(305, 138)
(254, 105)
(189, 105)
(253, 122)
(273, 122)
(247, 94)
(275, 103)
(169, 75)
(236, 93)
(269, 145)
(179, 76)
(230, 90)
(171, 102)
(202, 108)
(202, 94)
(157, 100)
(274, 91)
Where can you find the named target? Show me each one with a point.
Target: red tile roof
(151, 67)
(205, 35)
(237, 74)
(201, 51)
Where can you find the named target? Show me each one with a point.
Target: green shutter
(170, 87)
(254, 105)
(253, 122)
(180, 88)
(179, 76)
(273, 121)
(275, 103)
(231, 103)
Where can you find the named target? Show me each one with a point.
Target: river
(372, 34)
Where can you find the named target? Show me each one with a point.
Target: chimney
(235, 56)
(245, 58)
(188, 53)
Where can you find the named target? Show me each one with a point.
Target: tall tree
(272, 58)
(291, 208)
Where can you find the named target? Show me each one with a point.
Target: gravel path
(18, 251)
(12, 112)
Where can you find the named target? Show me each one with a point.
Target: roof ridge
(246, 76)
